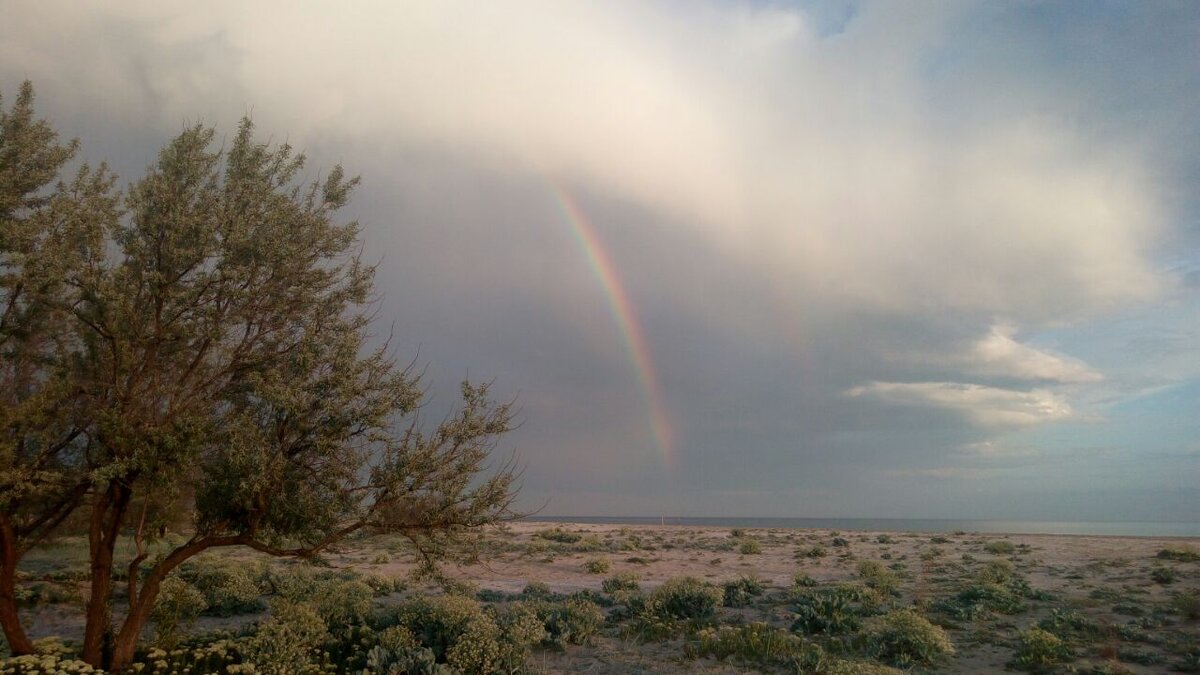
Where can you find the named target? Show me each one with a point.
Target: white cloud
(999, 354)
(817, 161)
(995, 450)
(946, 473)
(982, 405)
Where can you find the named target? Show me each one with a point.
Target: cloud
(998, 354)
(811, 158)
(946, 473)
(982, 405)
(995, 450)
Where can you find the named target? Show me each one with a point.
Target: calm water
(904, 525)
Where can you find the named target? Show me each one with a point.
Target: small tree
(211, 334)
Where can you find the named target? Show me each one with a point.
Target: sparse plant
(1039, 650)
(738, 592)
(750, 547)
(1000, 547)
(1163, 575)
(597, 566)
(1183, 553)
(621, 581)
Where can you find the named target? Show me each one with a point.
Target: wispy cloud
(999, 354)
(982, 405)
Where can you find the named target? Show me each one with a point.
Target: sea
(1123, 529)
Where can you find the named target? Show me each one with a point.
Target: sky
(800, 259)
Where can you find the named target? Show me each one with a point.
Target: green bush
(1187, 604)
(597, 566)
(461, 634)
(803, 580)
(559, 535)
(574, 621)
(1039, 650)
(43, 664)
(815, 552)
(750, 547)
(833, 611)
(621, 581)
(738, 592)
(177, 606)
(996, 572)
(1163, 575)
(686, 598)
(288, 641)
(1181, 553)
(755, 643)
(904, 638)
(230, 588)
(878, 577)
(1000, 547)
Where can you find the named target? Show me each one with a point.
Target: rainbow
(621, 308)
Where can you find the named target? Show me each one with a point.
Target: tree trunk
(142, 604)
(105, 526)
(18, 642)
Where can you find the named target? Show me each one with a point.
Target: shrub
(803, 580)
(878, 577)
(1187, 604)
(1000, 547)
(1067, 623)
(884, 539)
(43, 664)
(839, 542)
(1039, 650)
(621, 581)
(833, 611)
(177, 606)
(1181, 553)
(815, 552)
(750, 547)
(229, 588)
(737, 593)
(574, 621)
(972, 601)
(737, 533)
(996, 572)
(288, 640)
(597, 566)
(536, 590)
(381, 559)
(904, 638)
(559, 535)
(1163, 575)
(464, 636)
(756, 643)
(686, 598)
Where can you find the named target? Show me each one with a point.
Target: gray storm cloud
(842, 236)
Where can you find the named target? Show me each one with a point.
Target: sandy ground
(1095, 575)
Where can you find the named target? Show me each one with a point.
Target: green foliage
(621, 581)
(1182, 553)
(1000, 547)
(559, 535)
(40, 664)
(229, 588)
(573, 621)
(738, 592)
(597, 566)
(876, 576)
(1163, 575)
(839, 542)
(973, 601)
(177, 606)
(209, 330)
(815, 552)
(686, 598)
(750, 547)
(1187, 604)
(904, 638)
(288, 641)
(1039, 650)
(754, 643)
(461, 634)
(996, 572)
(803, 580)
(833, 611)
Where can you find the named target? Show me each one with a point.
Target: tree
(209, 328)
